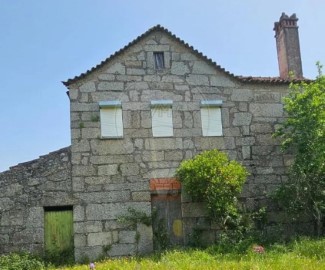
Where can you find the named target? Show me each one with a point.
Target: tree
(212, 178)
(303, 135)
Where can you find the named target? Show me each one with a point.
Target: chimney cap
(285, 21)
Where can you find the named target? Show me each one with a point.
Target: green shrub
(212, 178)
(24, 261)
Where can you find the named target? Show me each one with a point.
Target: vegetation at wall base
(21, 261)
(212, 178)
(303, 136)
(304, 254)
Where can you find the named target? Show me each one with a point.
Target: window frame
(159, 57)
(113, 105)
(217, 114)
(161, 104)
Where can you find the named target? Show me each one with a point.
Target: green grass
(305, 254)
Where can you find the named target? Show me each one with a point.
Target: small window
(111, 122)
(162, 118)
(211, 117)
(159, 60)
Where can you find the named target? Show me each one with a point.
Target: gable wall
(110, 175)
(24, 192)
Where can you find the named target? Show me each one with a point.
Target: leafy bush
(212, 178)
(303, 134)
(24, 261)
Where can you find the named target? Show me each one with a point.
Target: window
(211, 117)
(159, 60)
(111, 123)
(162, 118)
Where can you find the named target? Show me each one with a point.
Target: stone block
(133, 63)
(78, 213)
(109, 95)
(35, 217)
(225, 117)
(221, 80)
(197, 79)
(245, 141)
(105, 197)
(201, 67)
(122, 250)
(80, 170)
(242, 95)
(108, 159)
(242, 119)
(268, 97)
(266, 110)
(88, 227)
(145, 244)
(110, 86)
(83, 107)
(90, 133)
(131, 119)
(106, 77)
(126, 237)
(114, 210)
(73, 94)
(129, 169)
(88, 87)
(107, 169)
(137, 86)
(207, 143)
(174, 155)
(261, 128)
(160, 173)
(152, 156)
(99, 239)
(116, 68)
(109, 147)
(78, 184)
(246, 152)
(80, 146)
(188, 57)
(135, 71)
(231, 132)
(80, 240)
(158, 144)
(141, 196)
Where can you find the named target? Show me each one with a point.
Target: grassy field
(305, 254)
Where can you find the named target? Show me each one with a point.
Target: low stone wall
(25, 190)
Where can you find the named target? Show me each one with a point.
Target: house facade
(134, 118)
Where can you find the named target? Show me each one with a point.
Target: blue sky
(45, 42)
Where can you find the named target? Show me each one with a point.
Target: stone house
(134, 118)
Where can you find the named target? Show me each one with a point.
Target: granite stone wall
(25, 190)
(111, 175)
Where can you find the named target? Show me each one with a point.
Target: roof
(244, 79)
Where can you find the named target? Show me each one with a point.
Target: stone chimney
(288, 48)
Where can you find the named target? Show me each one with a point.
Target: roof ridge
(245, 79)
(150, 30)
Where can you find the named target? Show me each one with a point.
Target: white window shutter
(111, 122)
(162, 118)
(211, 121)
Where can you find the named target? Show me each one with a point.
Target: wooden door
(58, 230)
(167, 220)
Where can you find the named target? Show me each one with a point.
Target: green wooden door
(58, 230)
